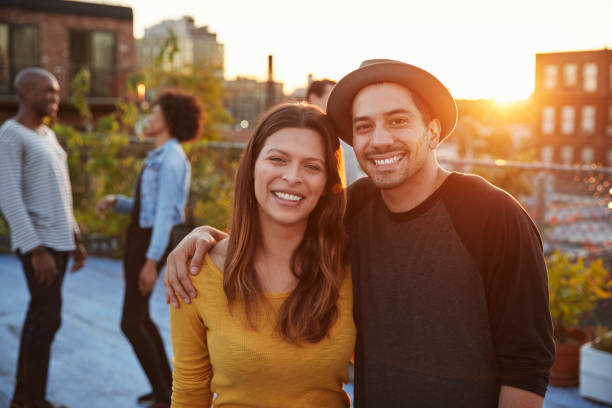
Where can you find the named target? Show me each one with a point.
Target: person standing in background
(317, 94)
(158, 205)
(36, 201)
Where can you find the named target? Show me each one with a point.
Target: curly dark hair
(182, 114)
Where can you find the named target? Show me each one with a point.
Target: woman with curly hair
(158, 205)
(274, 324)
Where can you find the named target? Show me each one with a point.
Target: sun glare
(511, 92)
(512, 85)
(503, 84)
(507, 100)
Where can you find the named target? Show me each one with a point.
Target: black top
(451, 297)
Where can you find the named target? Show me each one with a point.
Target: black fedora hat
(439, 100)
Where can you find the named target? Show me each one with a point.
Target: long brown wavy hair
(318, 262)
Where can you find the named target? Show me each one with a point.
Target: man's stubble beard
(411, 165)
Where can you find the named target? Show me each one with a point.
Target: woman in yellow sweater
(273, 326)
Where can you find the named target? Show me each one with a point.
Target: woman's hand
(147, 277)
(108, 201)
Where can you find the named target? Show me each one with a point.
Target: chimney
(270, 95)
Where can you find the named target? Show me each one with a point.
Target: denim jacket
(163, 194)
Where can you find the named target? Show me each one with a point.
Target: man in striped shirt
(36, 201)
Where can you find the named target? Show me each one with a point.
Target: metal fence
(572, 205)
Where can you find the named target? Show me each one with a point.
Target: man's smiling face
(390, 137)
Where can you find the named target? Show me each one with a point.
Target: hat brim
(429, 88)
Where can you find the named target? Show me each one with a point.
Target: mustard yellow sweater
(215, 352)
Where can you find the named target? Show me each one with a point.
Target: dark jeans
(136, 322)
(42, 321)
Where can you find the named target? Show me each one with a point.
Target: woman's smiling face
(289, 176)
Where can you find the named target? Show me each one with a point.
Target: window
(548, 119)
(588, 119)
(567, 154)
(570, 74)
(567, 120)
(547, 154)
(587, 155)
(550, 76)
(19, 48)
(5, 68)
(96, 51)
(589, 77)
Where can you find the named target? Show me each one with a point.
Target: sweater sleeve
(516, 283)
(12, 203)
(192, 372)
(123, 205)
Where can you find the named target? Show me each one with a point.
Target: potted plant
(596, 369)
(574, 289)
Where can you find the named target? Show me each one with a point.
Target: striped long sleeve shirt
(35, 192)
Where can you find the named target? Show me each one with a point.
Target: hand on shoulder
(218, 253)
(193, 247)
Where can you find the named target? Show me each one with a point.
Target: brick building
(573, 95)
(63, 37)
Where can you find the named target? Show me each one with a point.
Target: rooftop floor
(92, 364)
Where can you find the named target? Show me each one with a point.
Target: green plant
(200, 78)
(97, 158)
(104, 158)
(79, 89)
(212, 183)
(574, 289)
(604, 342)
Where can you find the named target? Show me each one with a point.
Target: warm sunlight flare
(477, 48)
(507, 97)
(141, 90)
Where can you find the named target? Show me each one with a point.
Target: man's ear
(24, 92)
(434, 129)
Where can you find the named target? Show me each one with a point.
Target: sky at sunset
(478, 48)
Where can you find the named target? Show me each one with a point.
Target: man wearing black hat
(451, 294)
(449, 274)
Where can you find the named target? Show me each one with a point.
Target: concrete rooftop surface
(92, 364)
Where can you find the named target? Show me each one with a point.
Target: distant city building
(63, 37)
(298, 95)
(573, 94)
(246, 100)
(196, 45)
(484, 123)
(521, 134)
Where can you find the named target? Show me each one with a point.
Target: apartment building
(63, 37)
(573, 98)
